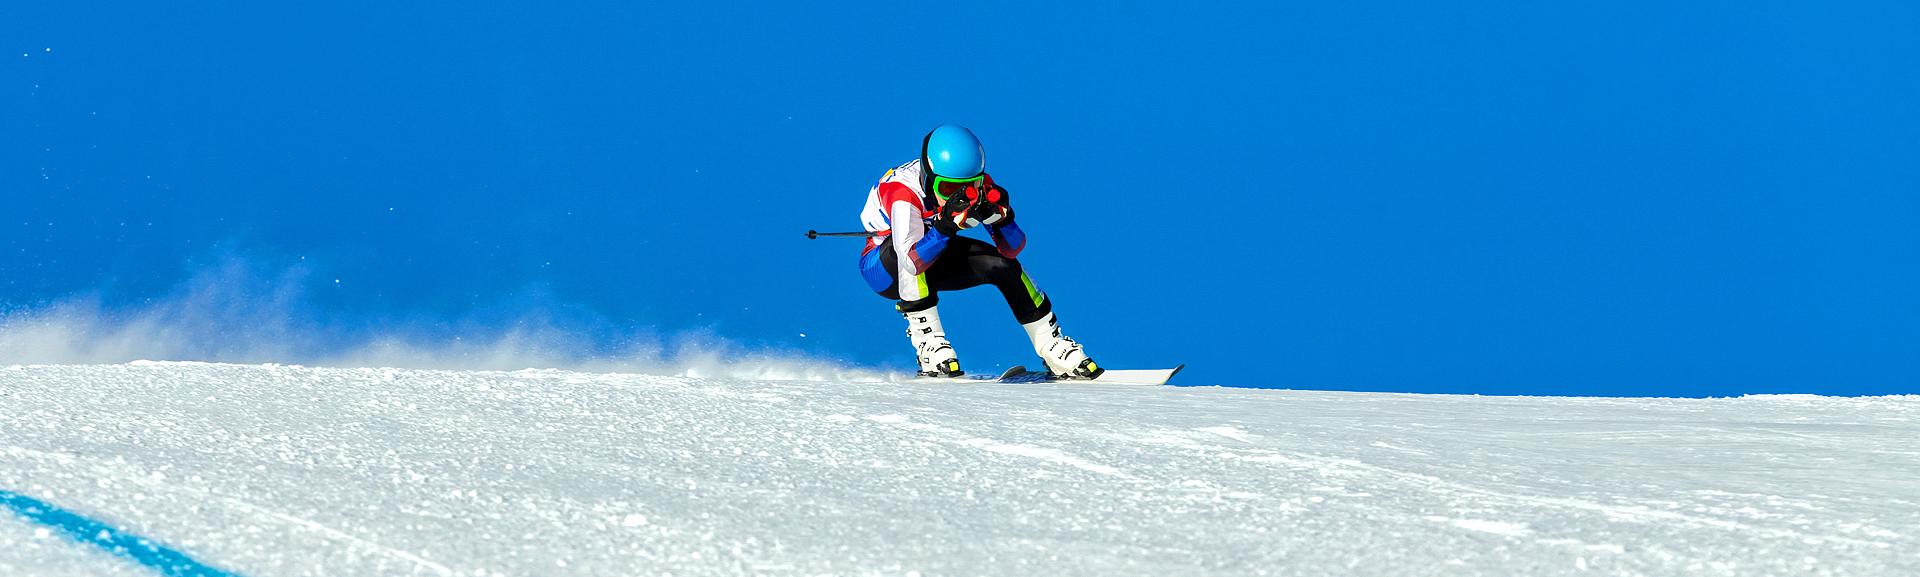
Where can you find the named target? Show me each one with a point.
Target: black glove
(993, 208)
(954, 215)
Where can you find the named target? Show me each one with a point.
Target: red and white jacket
(897, 211)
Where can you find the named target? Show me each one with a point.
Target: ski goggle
(944, 187)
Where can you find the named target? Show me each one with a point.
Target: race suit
(897, 211)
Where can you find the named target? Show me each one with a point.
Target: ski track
(272, 470)
(28, 549)
(120, 470)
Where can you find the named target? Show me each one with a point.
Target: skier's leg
(1063, 355)
(984, 264)
(931, 350)
(929, 338)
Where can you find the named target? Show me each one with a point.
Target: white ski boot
(930, 345)
(1063, 356)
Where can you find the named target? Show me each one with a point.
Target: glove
(993, 209)
(954, 216)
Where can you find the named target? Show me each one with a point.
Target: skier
(915, 251)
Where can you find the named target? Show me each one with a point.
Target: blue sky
(1607, 198)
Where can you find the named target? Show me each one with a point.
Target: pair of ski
(1020, 374)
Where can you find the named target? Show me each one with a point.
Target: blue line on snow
(133, 547)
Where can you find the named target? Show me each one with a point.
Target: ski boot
(930, 345)
(1064, 357)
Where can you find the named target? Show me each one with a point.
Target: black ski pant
(967, 263)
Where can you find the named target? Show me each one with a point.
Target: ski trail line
(141, 550)
(340, 535)
(330, 532)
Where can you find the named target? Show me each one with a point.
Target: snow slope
(278, 470)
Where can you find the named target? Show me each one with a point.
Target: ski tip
(1176, 371)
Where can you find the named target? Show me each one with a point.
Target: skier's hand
(955, 215)
(945, 226)
(993, 208)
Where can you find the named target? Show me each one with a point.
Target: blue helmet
(953, 152)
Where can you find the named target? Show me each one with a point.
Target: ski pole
(816, 234)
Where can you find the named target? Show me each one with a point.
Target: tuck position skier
(915, 251)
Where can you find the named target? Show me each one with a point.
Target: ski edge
(1020, 374)
(1160, 382)
(1011, 372)
(1139, 380)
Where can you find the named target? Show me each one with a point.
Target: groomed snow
(280, 470)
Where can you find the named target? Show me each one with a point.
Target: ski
(1020, 374)
(1011, 372)
(1144, 377)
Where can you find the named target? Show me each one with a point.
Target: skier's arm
(1008, 238)
(914, 242)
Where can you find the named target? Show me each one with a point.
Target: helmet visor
(944, 187)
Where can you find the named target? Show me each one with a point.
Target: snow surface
(26, 549)
(284, 470)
